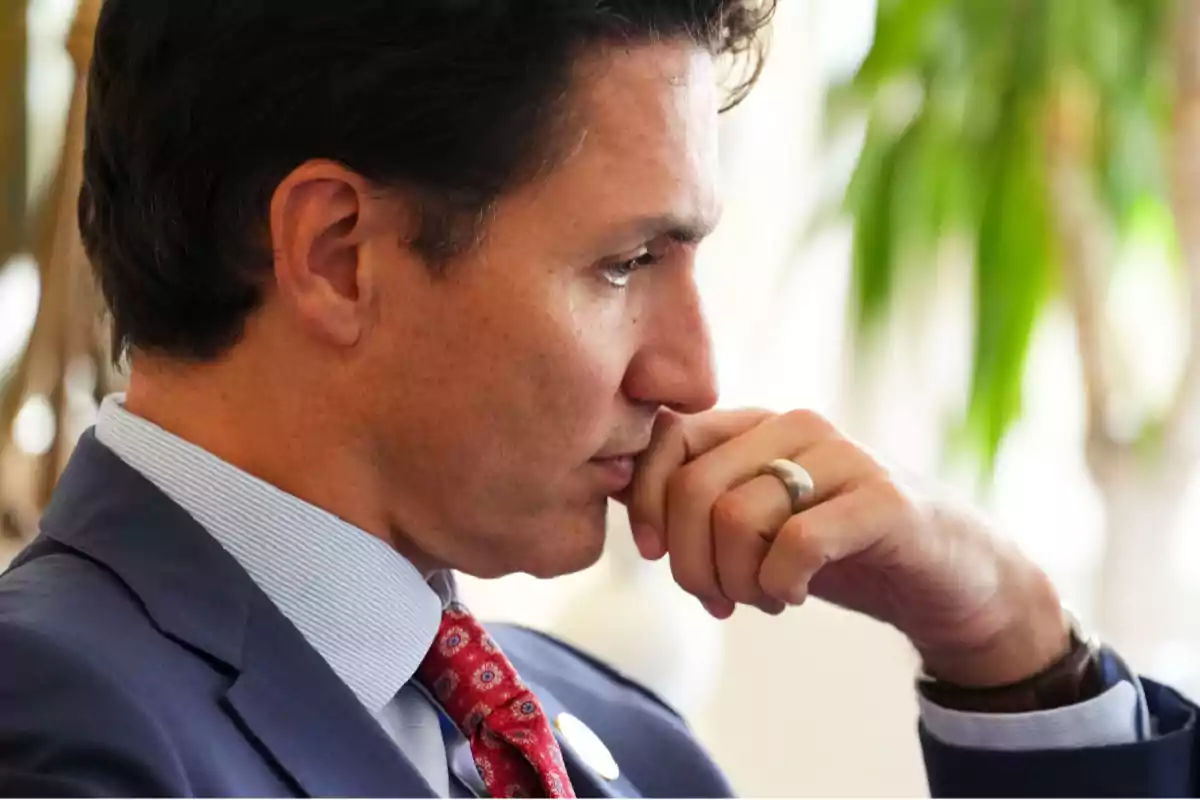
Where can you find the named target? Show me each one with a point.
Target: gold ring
(795, 479)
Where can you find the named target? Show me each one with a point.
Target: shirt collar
(361, 605)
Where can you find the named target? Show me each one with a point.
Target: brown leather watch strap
(1072, 679)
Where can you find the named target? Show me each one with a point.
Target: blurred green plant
(975, 111)
(1044, 133)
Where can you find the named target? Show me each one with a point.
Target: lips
(615, 473)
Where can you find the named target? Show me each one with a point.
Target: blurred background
(968, 232)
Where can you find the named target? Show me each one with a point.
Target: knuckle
(797, 534)
(784, 588)
(844, 450)
(771, 585)
(808, 420)
(735, 517)
(802, 543)
(862, 463)
(688, 484)
(730, 514)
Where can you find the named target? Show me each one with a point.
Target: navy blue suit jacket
(137, 658)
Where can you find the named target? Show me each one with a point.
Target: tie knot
(481, 692)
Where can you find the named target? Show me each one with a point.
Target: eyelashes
(619, 274)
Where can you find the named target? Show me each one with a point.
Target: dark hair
(197, 109)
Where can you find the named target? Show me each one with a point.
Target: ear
(322, 216)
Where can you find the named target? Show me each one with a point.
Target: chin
(565, 563)
(546, 547)
(567, 546)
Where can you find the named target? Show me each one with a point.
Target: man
(407, 288)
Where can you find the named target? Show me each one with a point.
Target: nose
(674, 367)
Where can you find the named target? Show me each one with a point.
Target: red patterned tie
(510, 737)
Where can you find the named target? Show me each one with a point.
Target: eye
(619, 273)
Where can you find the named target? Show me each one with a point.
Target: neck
(287, 438)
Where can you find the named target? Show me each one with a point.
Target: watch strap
(1073, 678)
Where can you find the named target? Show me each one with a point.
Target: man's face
(506, 397)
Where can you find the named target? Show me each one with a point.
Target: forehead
(646, 103)
(641, 139)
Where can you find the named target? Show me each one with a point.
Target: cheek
(508, 372)
(578, 364)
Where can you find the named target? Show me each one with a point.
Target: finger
(694, 488)
(836, 466)
(675, 441)
(829, 532)
(746, 519)
(744, 522)
(666, 453)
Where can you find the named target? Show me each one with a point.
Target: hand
(976, 609)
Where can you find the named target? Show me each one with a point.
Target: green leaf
(877, 195)
(844, 103)
(1013, 245)
(933, 194)
(903, 31)
(1013, 266)
(969, 159)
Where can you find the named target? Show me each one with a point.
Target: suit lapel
(285, 695)
(285, 688)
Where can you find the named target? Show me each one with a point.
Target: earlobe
(317, 234)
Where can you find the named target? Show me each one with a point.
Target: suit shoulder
(52, 588)
(551, 659)
(69, 728)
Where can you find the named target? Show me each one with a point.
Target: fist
(977, 610)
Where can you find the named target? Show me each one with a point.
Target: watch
(1073, 678)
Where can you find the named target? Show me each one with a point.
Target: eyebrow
(688, 230)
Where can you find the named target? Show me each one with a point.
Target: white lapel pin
(587, 744)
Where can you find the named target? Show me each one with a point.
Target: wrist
(1075, 678)
(1034, 632)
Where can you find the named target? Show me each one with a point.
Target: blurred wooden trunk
(67, 355)
(13, 180)
(1143, 604)
(14, 54)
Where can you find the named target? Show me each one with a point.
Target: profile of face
(502, 397)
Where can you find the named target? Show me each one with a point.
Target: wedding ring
(795, 479)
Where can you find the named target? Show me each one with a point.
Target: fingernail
(647, 540)
(720, 609)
